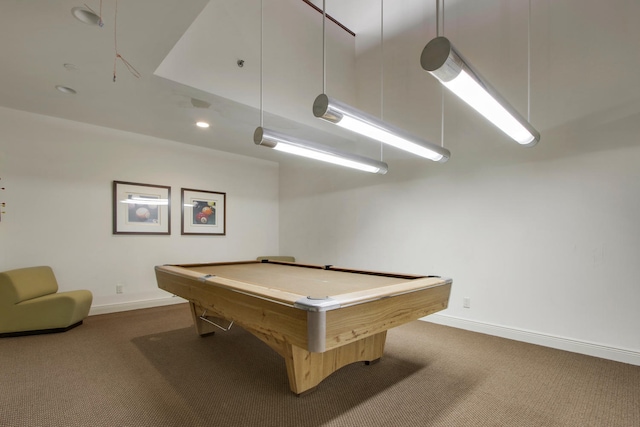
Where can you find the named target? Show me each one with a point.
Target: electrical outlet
(466, 302)
(119, 288)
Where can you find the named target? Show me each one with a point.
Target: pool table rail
(318, 302)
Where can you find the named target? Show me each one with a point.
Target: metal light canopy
(365, 124)
(443, 61)
(288, 144)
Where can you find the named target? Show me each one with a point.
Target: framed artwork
(203, 212)
(141, 208)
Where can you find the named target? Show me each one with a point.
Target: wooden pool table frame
(316, 336)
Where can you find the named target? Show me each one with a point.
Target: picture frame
(141, 208)
(203, 212)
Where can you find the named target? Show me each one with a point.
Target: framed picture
(203, 212)
(141, 208)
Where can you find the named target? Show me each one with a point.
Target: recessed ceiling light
(86, 16)
(65, 89)
(203, 125)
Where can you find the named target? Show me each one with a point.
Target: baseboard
(583, 347)
(39, 331)
(591, 349)
(134, 305)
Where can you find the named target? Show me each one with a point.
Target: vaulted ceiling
(584, 61)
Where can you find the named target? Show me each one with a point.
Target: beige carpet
(149, 368)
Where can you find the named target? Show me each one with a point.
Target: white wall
(58, 177)
(545, 241)
(546, 245)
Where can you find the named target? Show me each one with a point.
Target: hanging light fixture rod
(446, 63)
(439, 21)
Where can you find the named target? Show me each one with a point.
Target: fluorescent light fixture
(202, 125)
(444, 62)
(312, 150)
(365, 124)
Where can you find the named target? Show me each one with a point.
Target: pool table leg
(203, 328)
(306, 370)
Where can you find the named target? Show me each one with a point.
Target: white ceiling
(206, 58)
(39, 36)
(584, 63)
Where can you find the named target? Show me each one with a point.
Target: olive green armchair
(31, 304)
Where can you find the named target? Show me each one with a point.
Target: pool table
(319, 318)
